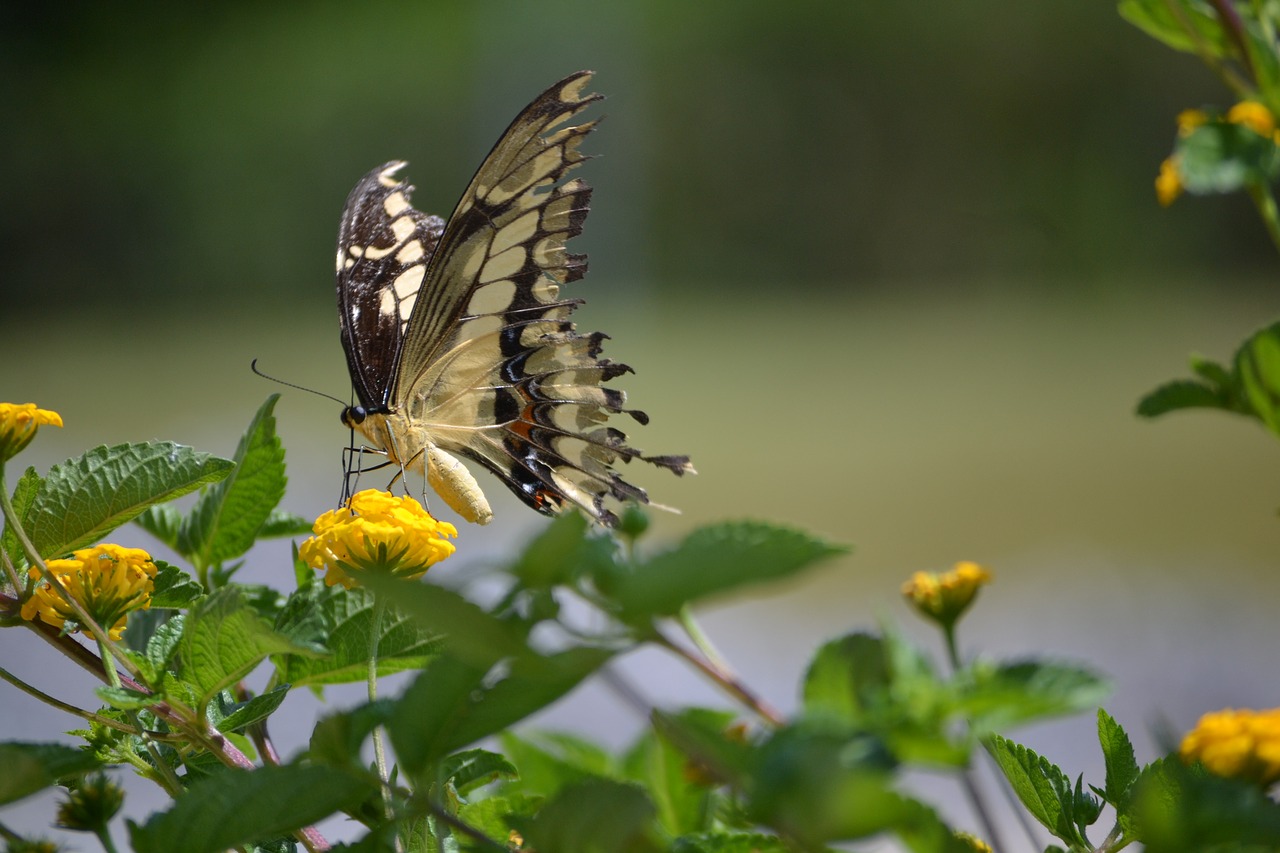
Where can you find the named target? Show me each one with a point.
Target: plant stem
(1266, 204)
(1229, 78)
(63, 706)
(104, 835)
(168, 778)
(727, 680)
(379, 751)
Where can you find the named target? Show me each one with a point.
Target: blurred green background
(892, 272)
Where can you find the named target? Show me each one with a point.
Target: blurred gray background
(892, 273)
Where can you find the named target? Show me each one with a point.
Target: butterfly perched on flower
(458, 342)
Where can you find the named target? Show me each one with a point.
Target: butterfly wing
(487, 363)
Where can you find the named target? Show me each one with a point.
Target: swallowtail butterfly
(457, 339)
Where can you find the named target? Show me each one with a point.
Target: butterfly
(456, 337)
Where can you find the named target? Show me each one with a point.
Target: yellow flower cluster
(109, 582)
(943, 597)
(376, 532)
(1250, 114)
(1240, 744)
(977, 845)
(18, 424)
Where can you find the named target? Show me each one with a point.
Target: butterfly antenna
(253, 365)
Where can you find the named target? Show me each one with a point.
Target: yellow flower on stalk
(18, 424)
(1254, 116)
(944, 597)
(1189, 120)
(109, 582)
(376, 532)
(973, 842)
(1239, 744)
(1168, 182)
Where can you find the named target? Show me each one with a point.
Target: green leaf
(702, 737)
(258, 708)
(23, 493)
(1155, 19)
(337, 738)
(596, 816)
(227, 517)
(32, 767)
(493, 815)
(127, 699)
(681, 801)
(234, 808)
(344, 619)
(84, 499)
(1041, 786)
(174, 588)
(163, 522)
(164, 640)
(1183, 394)
(1122, 767)
(713, 560)
(997, 697)
(845, 675)
(472, 634)
(1220, 157)
(548, 761)
(453, 704)
(1181, 809)
(562, 553)
(280, 523)
(224, 639)
(475, 768)
(730, 842)
(1257, 364)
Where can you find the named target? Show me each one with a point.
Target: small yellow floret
(18, 424)
(1168, 182)
(376, 532)
(1189, 120)
(1254, 116)
(1241, 744)
(109, 582)
(943, 597)
(977, 845)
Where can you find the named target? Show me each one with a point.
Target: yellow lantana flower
(376, 532)
(1254, 116)
(943, 597)
(1189, 120)
(1239, 744)
(109, 582)
(977, 845)
(1168, 182)
(18, 423)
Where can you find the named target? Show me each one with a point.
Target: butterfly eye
(353, 415)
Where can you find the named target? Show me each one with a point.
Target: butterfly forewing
(486, 362)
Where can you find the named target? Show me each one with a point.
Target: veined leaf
(1117, 751)
(226, 519)
(343, 619)
(280, 523)
(84, 499)
(843, 672)
(595, 816)
(1041, 786)
(174, 588)
(234, 808)
(713, 560)
(224, 639)
(258, 708)
(163, 522)
(1155, 19)
(23, 493)
(475, 768)
(1258, 367)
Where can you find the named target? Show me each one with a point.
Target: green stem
(1266, 204)
(1229, 78)
(63, 706)
(104, 835)
(727, 680)
(700, 639)
(379, 751)
(168, 778)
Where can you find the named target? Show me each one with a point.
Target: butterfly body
(458, 342)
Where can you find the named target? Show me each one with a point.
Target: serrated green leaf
(548, 761)
(472, 634)
(163, 522)
(337, 738)
(1181, 809)
(714, 560)
(681, 798)
(1041, 786)
(174, 588)
(453, 704)
(32, 767)
(1183, 394)
(596, 816)
(493, 815)
(1221, 157)
(126, 699)
(234, 808)
(1155, 18)
(701, 736)
(255, 709)
(224, 639)
(1257, 364)
(280, 523)
(163, 641)
(1117, 751)
(730, 842)
(24, 492)
(344, 619)
(84, 499)
(226, 519)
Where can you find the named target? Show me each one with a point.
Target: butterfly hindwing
(487, 364)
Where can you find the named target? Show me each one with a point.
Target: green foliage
(1185, 26)
(32, 767)
(1220, 157)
